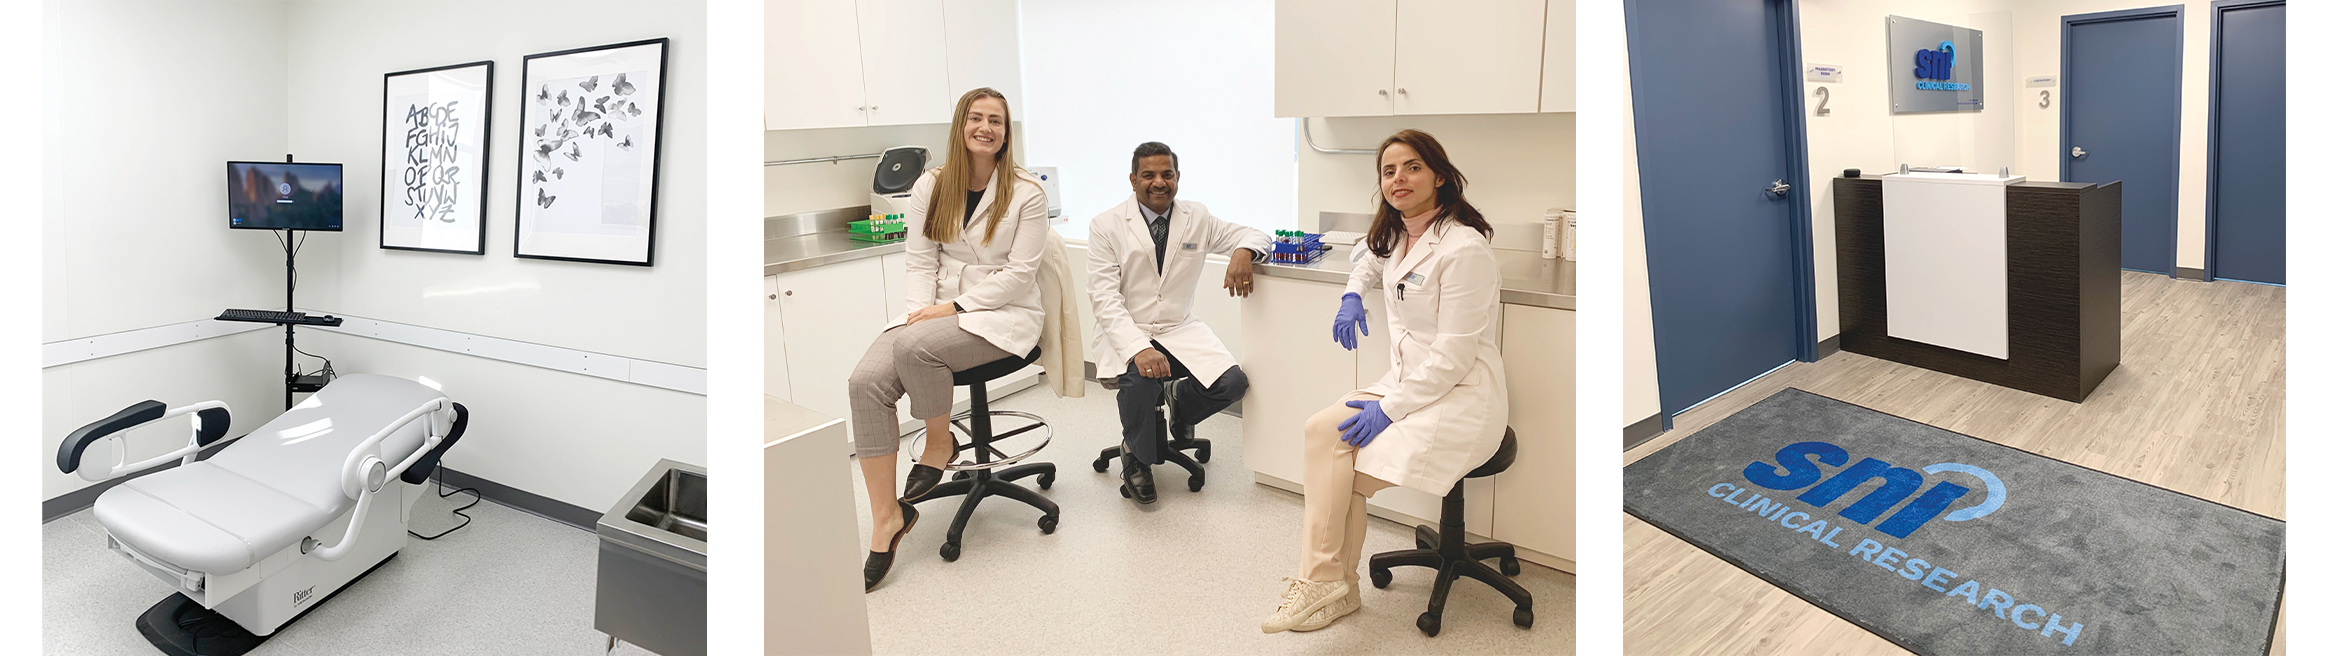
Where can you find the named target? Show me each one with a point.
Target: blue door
(2121, 122)
(1712, 126)
(2246, 141)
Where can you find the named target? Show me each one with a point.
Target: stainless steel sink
(652, 585)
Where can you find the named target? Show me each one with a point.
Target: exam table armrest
(421, 471)
(364, 472)
(211, 424)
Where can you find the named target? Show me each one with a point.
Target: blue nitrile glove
(1361, 428)
(1349, 320)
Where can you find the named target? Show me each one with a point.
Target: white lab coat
(996, 284)
(1444, 392)
(1135, 305)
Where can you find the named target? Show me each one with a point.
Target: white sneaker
(1339, 608)
(1303, 598)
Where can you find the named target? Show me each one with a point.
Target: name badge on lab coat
(1189, 246)
(1414, 279)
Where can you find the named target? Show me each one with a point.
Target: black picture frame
(546, 136)
(393, 176)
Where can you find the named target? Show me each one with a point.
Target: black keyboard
(272, 316)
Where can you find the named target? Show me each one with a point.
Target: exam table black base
(180, 627)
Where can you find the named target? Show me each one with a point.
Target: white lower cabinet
(1535, 501)
(829, 315)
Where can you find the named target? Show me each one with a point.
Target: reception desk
(2062, 282)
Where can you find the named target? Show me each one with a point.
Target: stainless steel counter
(1528, 278)
(802, 241)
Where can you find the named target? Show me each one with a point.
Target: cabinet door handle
(861, 108)
(772, 296)
(789, 292)
(1401, 91)
(873, 108)
(1382, 91)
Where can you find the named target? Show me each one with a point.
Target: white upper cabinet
(903, 76)
(812, 68)
(1335, 57)
(1560, 56)
(980, 39)
(850, 63)
(1474, 57)
(1399, 57)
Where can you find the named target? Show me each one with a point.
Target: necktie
(1161, 230)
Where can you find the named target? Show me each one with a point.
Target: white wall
(145, 104)
(1518, 164)
(1639, 359)
(577, 439)
(798, 188)
(254, 80)
(1102, 76)
(1861, 130)
(656, 313)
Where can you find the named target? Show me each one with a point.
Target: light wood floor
(2196, 406)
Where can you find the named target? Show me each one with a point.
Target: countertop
(799, 242)
(1528, 278)
(802, 252)
(783, 420)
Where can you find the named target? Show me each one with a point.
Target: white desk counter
(812, 553)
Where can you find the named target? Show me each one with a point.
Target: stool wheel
(1523, 617)
(959, 476)
(1099, 465)
(1049, 478)
(1194, 483)
(1202, 453)
(1047, 524)
(1125, 491)
(1380, 577)
(1428, 623)
(1510, 566)
(950, 551)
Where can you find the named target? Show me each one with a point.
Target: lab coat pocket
(1417, 307)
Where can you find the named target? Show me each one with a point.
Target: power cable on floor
(458, 512)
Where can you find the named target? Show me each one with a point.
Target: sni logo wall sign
(1934, 67)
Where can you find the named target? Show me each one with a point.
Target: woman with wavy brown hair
(1441, 409)
(979, 229)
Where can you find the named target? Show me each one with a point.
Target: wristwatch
(955, 308)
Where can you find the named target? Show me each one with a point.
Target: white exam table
(275, 522)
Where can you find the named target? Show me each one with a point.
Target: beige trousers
(1332, 515)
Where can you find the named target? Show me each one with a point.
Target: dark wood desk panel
(2063, 288)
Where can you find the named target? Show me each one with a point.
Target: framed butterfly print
(589, 141)
(434, 158)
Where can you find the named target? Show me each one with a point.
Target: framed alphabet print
(434, 158)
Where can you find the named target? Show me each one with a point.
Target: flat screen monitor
(284, 196)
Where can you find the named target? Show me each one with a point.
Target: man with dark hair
(1145, 257)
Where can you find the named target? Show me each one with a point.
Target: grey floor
(510, 583)
(1191, 574)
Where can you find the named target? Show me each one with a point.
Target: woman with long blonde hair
(979, 226)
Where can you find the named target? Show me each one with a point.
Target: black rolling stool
(1163, 444)
(983, 476)
(1445, 548)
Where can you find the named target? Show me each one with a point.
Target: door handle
(2077, 152)
(1778, 189)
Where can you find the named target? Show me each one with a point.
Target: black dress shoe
(874, 569)
(920, 482)
(1137, 480)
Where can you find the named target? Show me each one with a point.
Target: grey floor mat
(2071, 561)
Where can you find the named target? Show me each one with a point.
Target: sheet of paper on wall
(1830, 73)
